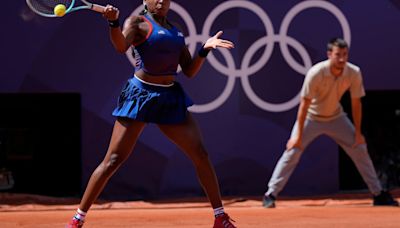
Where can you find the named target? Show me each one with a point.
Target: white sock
(219, 211)
(80, 215)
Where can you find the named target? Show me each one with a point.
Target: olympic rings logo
(246, 70)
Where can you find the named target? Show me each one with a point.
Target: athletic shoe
(74, 223)
(269, 201)
(223, 221)
(385, 199)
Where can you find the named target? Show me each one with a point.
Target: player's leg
(289, 160)
(123, 139)
(187, 137)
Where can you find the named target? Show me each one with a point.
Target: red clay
(345, 211)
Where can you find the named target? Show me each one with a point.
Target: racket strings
(47, 6)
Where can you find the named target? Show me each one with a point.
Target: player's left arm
(190, 66)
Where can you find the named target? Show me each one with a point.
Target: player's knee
(109, 166)
(116, 160)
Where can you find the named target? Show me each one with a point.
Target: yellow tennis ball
(59, 10)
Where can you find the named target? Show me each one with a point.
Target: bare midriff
(155, 79)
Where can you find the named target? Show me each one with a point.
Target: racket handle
(98, 8)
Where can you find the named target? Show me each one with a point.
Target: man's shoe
(74, 223)
(269, 201)
(385, 199)
(223, 221)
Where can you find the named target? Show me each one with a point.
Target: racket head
(45, 8)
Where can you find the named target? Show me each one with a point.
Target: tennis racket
(45, 8)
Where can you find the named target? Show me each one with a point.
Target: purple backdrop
(246, 98)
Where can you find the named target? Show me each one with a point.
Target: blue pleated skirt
(153, 104)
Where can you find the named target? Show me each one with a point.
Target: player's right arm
(134, 30)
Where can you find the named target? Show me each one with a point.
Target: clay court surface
(344, 211)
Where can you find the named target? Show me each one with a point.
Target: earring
(145, 7)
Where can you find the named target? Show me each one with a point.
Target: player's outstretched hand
(215, 42)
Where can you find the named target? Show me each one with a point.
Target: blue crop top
(159, 53)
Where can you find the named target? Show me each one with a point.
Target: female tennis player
(152, 95)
